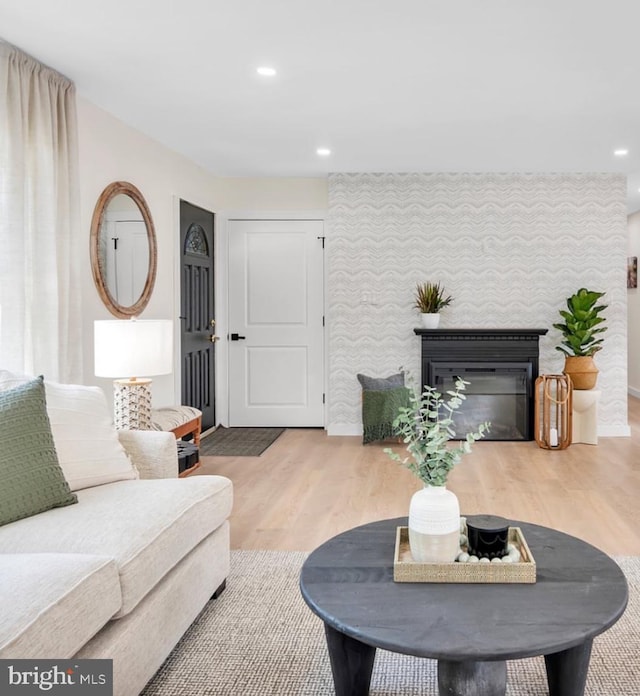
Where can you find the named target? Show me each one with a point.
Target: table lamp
(133, 347)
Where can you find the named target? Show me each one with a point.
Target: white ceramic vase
(430, 321)
(434, 525)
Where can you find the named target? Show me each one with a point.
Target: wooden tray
(405, 569)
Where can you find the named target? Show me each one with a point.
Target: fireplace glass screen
(497, 392)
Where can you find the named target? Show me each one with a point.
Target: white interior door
(127, 259)
(276, 323)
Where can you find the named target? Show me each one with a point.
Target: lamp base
(132, 404)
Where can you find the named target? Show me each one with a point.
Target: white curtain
(40, 308)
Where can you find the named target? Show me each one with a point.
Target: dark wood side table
(471, 629)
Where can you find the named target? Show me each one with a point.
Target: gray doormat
(238, 442)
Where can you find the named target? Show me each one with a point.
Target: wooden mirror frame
(113, 190)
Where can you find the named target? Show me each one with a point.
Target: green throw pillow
(31, 480)
(379, 409)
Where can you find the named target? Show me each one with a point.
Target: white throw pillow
(85, 438)
(9, 380)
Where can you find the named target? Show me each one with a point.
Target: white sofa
(122, 573)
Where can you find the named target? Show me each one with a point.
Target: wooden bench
(181, 421)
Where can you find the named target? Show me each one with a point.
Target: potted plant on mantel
(426, 427)
(581, 331)
(429, 300)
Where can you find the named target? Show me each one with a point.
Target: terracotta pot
(582, 371)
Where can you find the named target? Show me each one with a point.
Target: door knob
(237, 337)
(213, 338)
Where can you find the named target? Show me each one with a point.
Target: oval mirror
(123, 249)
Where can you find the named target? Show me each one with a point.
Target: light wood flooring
(307, 487)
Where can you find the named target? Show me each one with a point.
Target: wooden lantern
(553, 411)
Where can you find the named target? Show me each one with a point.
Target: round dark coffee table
(471, 629)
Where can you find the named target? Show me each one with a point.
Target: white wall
(633, 310)
(264, 195)
(467, 230)
(109, 151)
(509, 247)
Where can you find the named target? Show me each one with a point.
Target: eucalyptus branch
(426, 427)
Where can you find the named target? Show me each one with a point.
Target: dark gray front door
(197, 315)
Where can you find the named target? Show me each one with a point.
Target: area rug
(238, 442)
(259, 638)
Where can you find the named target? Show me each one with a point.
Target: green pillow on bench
(381, 400)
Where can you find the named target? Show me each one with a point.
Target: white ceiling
(388, 85)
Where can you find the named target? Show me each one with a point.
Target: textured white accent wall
(509, 247)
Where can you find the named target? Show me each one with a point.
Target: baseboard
(344, 429)
(351, 429)
(632, 391)
(614, 431)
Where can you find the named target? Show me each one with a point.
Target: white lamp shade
(133, 347)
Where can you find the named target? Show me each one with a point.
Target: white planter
(430, 321)
(434, 525)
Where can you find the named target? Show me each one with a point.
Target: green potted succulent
(581, 333)
(426, 427)
(430, 298)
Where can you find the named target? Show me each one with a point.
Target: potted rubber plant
(430, 299)
(582, 331)
(426, 427)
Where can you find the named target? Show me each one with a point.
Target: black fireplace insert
(501, 366)
(497, 392)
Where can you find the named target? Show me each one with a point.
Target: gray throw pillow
(31, 480)
(381, 383)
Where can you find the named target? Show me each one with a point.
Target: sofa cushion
(52, 604)
(153, 453)
(85, 438)
(9, 380)
(147, 526)
(31, 480)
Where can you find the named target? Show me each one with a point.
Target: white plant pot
(434, 525)
(430, 321)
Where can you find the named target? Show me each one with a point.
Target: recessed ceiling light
(621, 152)
(323, 151)
(266, 71)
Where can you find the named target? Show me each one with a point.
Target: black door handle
(236, 337)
